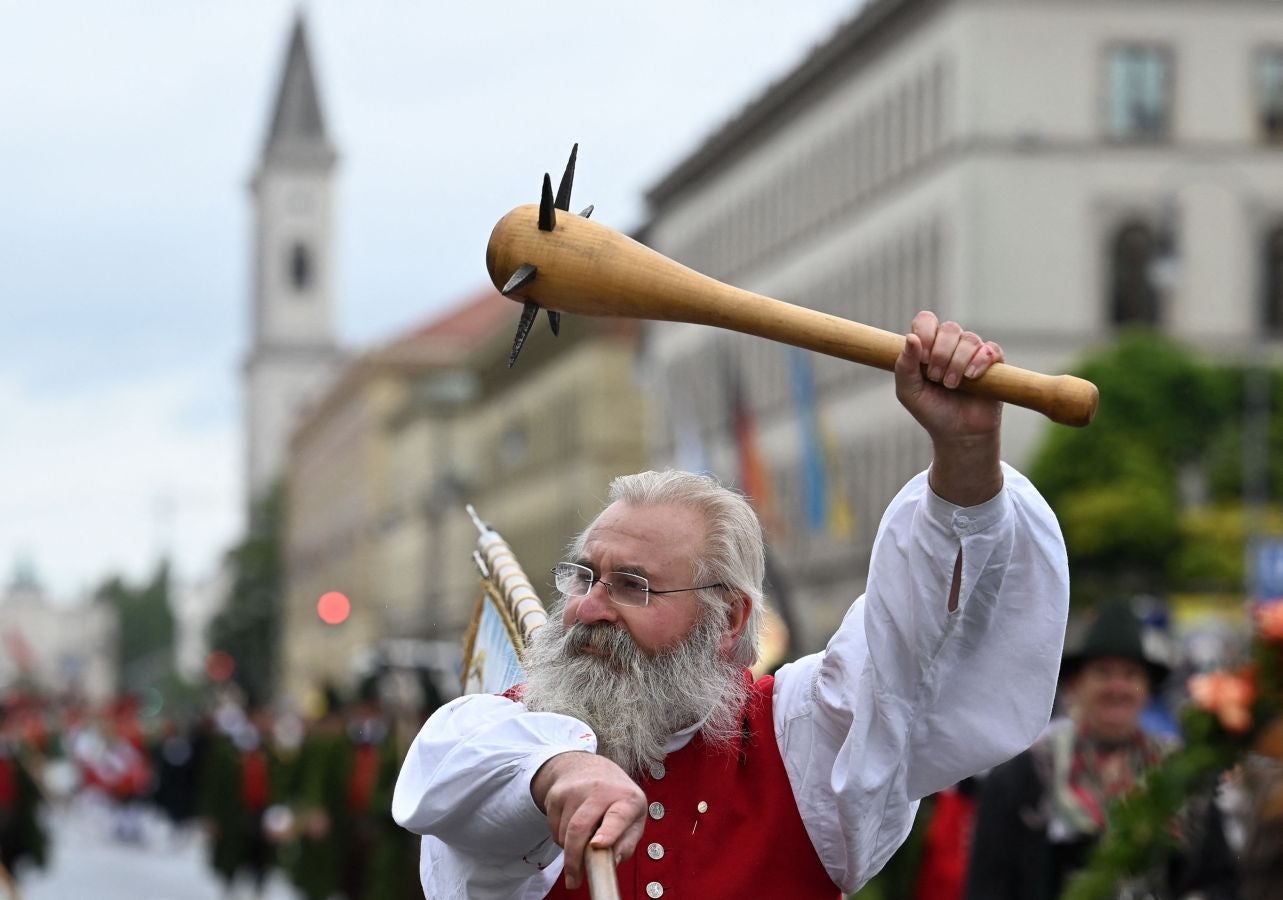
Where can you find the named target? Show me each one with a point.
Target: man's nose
(596, 606)
(1123, 684)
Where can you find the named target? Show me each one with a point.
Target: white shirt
(906, 699)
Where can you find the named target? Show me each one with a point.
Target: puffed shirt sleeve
(467, 778)
(909, 698)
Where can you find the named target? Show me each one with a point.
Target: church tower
(293, 354)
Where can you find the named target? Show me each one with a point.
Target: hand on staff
(964, 428)
(589, 799)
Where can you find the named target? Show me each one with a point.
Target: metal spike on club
(525, 273)
(528, 314)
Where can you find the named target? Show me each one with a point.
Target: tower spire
(297, 129)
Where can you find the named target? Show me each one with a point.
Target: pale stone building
(293, 354)
(57, 647)
(353, 481)
(1044, 171)
(380, 472)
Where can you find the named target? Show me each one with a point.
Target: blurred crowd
(304, 793)
(1025, 829)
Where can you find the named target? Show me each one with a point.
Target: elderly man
(639, 728)
(1043, 812)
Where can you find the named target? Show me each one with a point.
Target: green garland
(1143, 826)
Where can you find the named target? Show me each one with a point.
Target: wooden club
(579, 266)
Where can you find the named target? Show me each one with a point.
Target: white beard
(635, 701)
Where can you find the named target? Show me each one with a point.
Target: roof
(473, 321)
(849, 45)
(297, 127)
(441, 342)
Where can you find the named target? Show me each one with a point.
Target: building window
(1269, 94)
(300, 268)
(1272, 283)
(1139, 100)
(1135, 256)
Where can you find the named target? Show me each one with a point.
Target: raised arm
(948, 664)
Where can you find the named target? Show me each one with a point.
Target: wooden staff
(599, 867)
(511, 600)
(580, 266)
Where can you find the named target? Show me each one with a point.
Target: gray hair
(733, 552)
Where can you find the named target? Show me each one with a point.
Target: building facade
(55, 648)
(351, 485)
(379, 474)
(1044, 171)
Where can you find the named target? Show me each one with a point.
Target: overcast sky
(128, 130)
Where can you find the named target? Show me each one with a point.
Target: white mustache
(611, 641)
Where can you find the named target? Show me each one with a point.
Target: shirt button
(654, 889)
(655, 851)
(657, 812)
(658, 771)
(702, 806)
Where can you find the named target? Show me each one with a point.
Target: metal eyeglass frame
(644, 587)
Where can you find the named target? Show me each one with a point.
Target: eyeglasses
(623, 588)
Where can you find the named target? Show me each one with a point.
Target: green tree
(248, 628)
(1150, 494)
(145, 629)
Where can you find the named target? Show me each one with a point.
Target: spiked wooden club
(572, 265)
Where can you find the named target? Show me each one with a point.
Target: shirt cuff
(546, 851)
(543, 853)
(964, 520)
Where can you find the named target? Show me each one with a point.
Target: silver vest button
(657, 812)
(658, 771)
(702, 806)
(654, 889)
(655, 851)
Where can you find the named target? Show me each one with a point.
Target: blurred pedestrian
(394, 865)
(321, 802)
(114, 767)
(176, 760)
(942, 874)
(22, 834)
(239, 780)
(1041, 813)
(368, 740)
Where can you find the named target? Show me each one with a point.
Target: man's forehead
(647, 536)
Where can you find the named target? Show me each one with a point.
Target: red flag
(754, 473)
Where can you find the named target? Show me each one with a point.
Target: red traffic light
(333, 608)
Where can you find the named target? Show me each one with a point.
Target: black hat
(1117, 633)
(370, 689)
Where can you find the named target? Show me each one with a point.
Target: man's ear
(738, 607)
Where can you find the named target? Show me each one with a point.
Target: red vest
(723, 823)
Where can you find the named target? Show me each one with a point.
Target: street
(88, 861)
